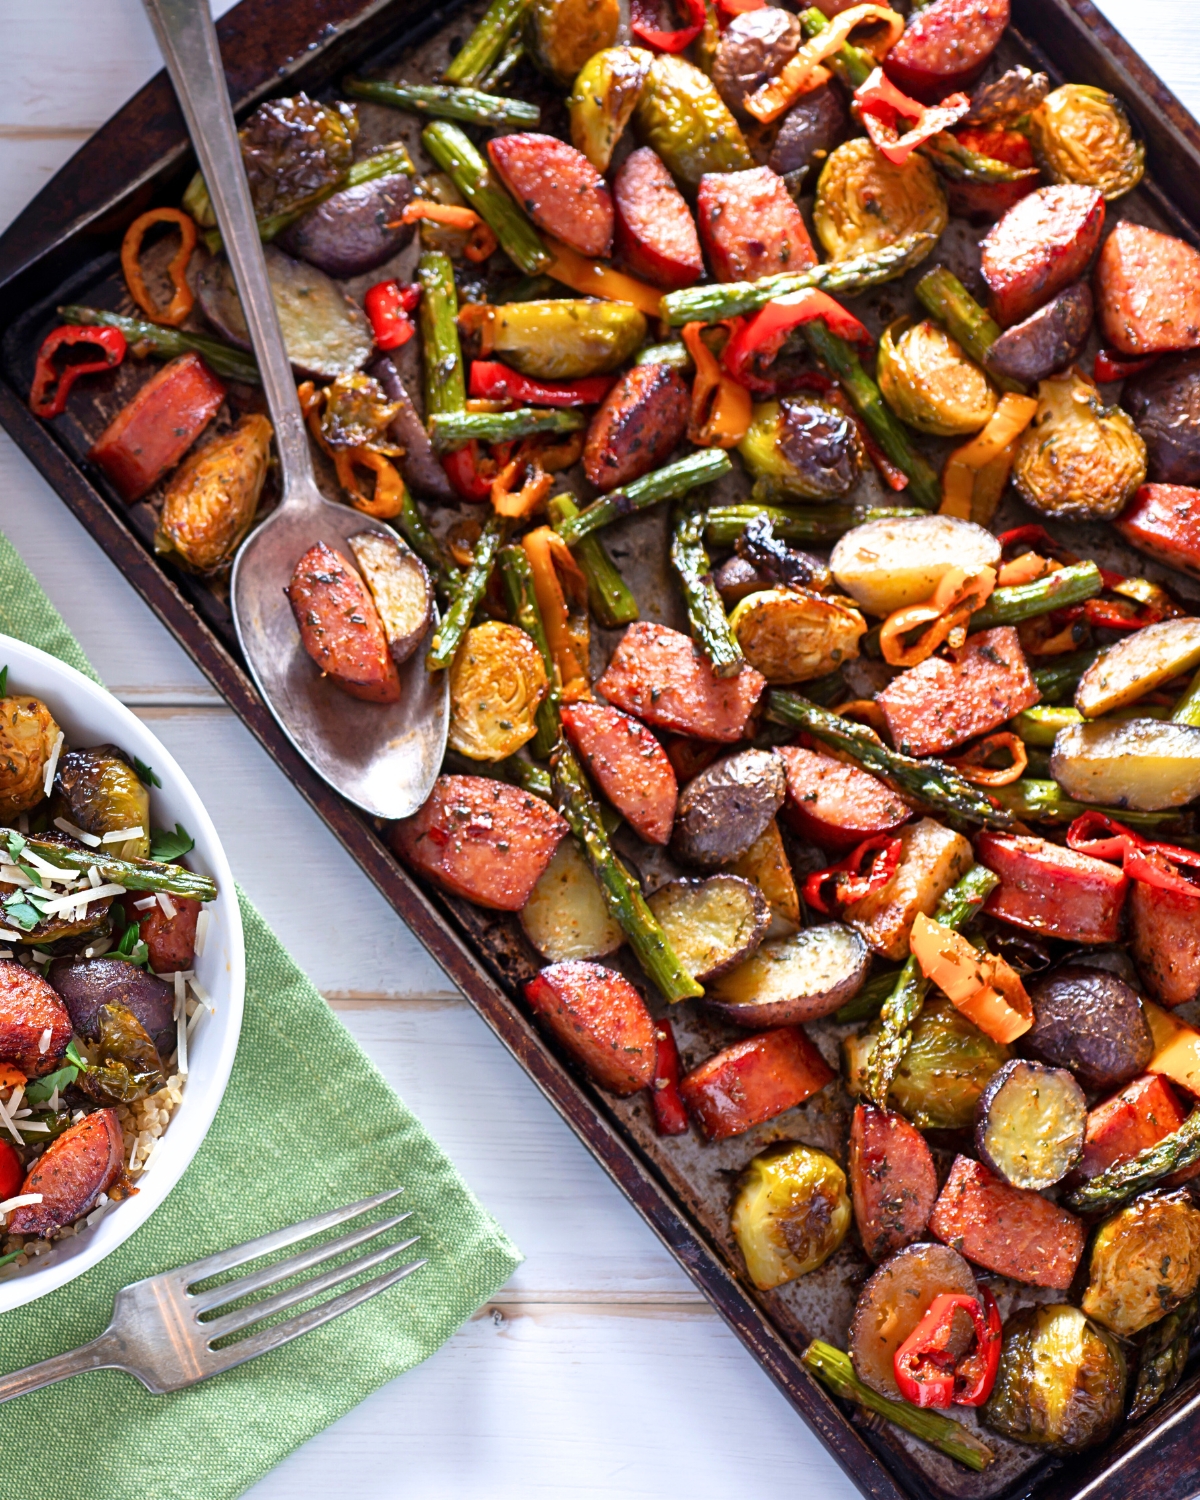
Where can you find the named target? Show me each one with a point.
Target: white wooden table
(598, 1371)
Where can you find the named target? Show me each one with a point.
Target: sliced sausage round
(639, 424)
(1040, 246)
(946, 47)
(558, 188)
(753, 48)
(749, 226)
(81, 1164)
(655, 232)
(29, 1008)
(340, 626)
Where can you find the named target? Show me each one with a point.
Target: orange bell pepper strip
(552, 566)
(517, 504)
(805, 72)
(595, 279)
(387, 501)
(182, 299)
(482, 241)
(975, 474)
(721, 408)
(986, 989)
(956, 598)
(971, 765)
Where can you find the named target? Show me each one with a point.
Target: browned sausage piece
(640, 423)
(170, 940)
(655, 232)
(946, 47)
(81, 1164)
(29, 1007)
(892, 1180)
(599, 1017)
(340, 626)
(1040, 246)
(750, 227)
(1048, 340)
(558, 188)
(753, 48)
(1148, 290)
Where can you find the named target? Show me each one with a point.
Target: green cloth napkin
(306, 1124)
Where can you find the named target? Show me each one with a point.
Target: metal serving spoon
(383, 757)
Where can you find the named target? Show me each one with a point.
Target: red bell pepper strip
(644, 25)
(755, 342)
(731, 8)
(52, 384)
(1154, 864)
(852, 878)
(471, 473)
(493, 381)
(670, 1116)
(387, 304)
(882, 106)
(1110, 366)
(927, 1373)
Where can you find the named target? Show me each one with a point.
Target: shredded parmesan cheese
(90, 839)
(181, 1043)
(44, 1041)
(202, 930)
(145, 903)
(9, 1126)
(120, 835)
(20, 1201)
(52, 764)
(169, 908)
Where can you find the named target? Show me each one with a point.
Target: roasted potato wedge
(792, 635)
(1145, 1261)
(723, 810)
(210, 502)
(400, 586)
(765, 864)
(792, 979)
(1030, 1124)
(1092, 1022)
(885, 565)
(791, 1213)
(713, 924)
(894, 1301)
(496, 684)
(1137, 665)
(566, 915)
(1143, 764)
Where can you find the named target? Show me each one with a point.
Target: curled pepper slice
(882, 106)
(1110, 366)
(972, 764)
(1154, 864)
(387, 500)
(945, 616)
(721, 408)
(561, 592)
(928, 1373)
(182, 298)
(644, 25)
(481, 242)
(493, 381)
(755, 342)
(804, 72)
(855, 876)
(975, 474)
(517, 504)
(52, 384)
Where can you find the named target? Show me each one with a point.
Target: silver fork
(156, 1332)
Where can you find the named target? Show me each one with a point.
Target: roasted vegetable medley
(101, 922)
(909, 803)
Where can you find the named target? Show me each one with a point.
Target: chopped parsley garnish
(131, 946)
(21, 913)
(39, 1090)
(75, 1057)
(145, 773)
(166, 846)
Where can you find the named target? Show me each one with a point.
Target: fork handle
(103, 1353)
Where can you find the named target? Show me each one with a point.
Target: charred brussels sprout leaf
(1081, 134)
(1061, 1382)
(604, 98)
(27, 738)
(562, 34)
(864, 203)
(567, 338)
(809, 447)
(930, 383)
(126, 1066)
(1078, 460)
(356, 411)
(211, 500)
(791, 1213)
(681, 115)
(103, 794)
(1145, 1262)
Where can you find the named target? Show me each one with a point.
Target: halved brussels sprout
(864, 203)
(604, 98)
(681, 115)
(212, 497)
(565, 338)
(794, 635)
(27, 738)
(496, 683)
(561, 35)
(1145, 1261)
(791, 1213)
(930, 383)
(103, 794)
(1082, 134)
(810, 447)
(1078, 459)
(944, 1072)
(1061, 1382)
(125, 1064)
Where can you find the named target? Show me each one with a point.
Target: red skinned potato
(753, 1081)
(893, 1181)
(1163, 521)
(663, 678)
(171, 941)
(1039, 247)
(156, 428)
(933, 707)
(558, 188)
(836, 805)
(984, 202)
(481, 839)
(340, 626)
(749, 226)
(1053, 891)
(1148, 291)
(600, 1019)
(29, 1007)
(1165, 942)
(655, 232)
(81, 1164)
(628, 764)
(1011, 1231)
(946, 47)
(637, 427)
(1141, 1115)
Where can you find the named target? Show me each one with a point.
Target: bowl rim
(43, 675)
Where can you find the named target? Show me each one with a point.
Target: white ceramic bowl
(88, 715)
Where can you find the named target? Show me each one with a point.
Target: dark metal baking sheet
(64, 248)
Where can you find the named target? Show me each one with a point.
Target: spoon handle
(188, 41)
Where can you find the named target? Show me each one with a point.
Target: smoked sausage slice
(558, 188)
(599, 1017)
(81, 1164)
(637, 427)
(340, 626)
(893, 1181)
(750, 227)
(946, 47)
(655, 232)
(1040, 246)
(662, 677)
(629, 765)
(1148, 291)
(29, 1007)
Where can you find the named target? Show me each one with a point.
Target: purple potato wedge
(400, 586)
(420, 465)
(1048, 340)
(793, 979)
(714, 924)
(86, 984)
(355, 230)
